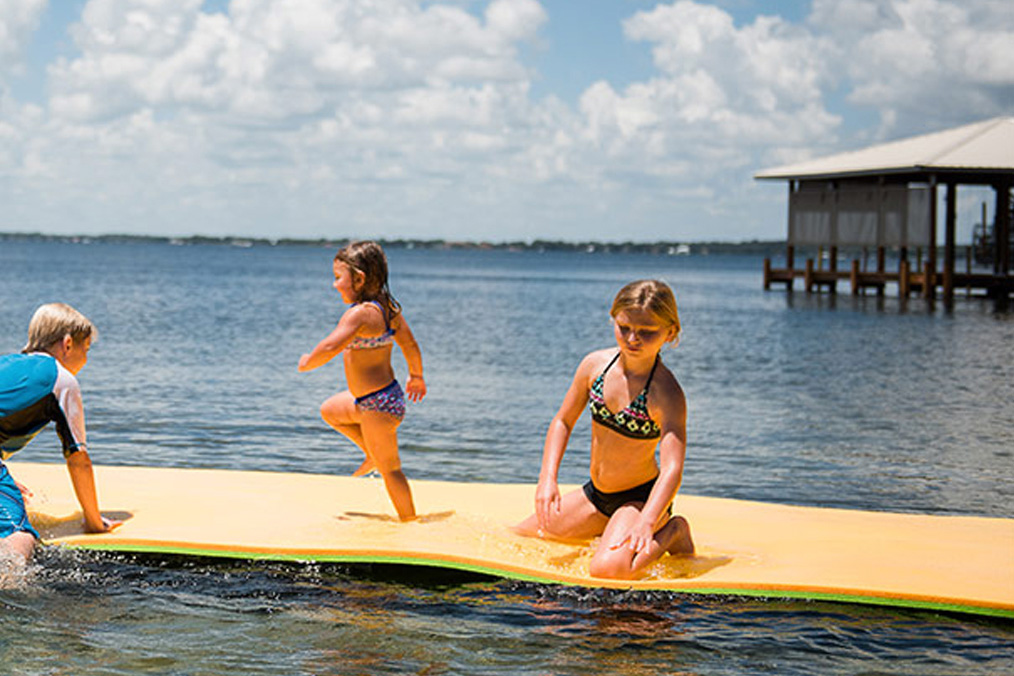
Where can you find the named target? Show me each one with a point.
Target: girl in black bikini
(629, 497)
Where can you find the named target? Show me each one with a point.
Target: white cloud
(725, 100)
(412, 117)
(270, 60)
(924, 64)
(18, 21)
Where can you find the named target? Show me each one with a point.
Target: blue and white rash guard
(35, 389)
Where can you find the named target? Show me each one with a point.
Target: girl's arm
(671, 414)
(547, 493)
(335, 342)
(415, 387)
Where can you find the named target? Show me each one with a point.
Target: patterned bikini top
(633, 421)
(373, 342)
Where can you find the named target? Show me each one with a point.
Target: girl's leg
(340, 413)
(613, 557)
(380, 434)
(577, 520)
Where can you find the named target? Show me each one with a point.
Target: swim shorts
(13, 517)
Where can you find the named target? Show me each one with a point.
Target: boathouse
(884, 199)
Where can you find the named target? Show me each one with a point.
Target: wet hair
(651, 296)
(53, 321)
(367, 258)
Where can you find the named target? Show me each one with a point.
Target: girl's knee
(329, 411)
(615, 565)
(339, 409)
(388, 466)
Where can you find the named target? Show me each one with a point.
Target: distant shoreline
(675, 248)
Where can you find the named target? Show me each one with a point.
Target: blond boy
(37, 387)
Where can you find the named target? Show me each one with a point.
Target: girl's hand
(415, 388)
(547, 502)
(638, 539)
(303, 361)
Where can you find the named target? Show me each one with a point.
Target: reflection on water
(118, 615)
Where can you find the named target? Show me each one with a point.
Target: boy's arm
(79, 465)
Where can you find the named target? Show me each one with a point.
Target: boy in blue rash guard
(37, 387)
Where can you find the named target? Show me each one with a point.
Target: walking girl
(371, 410)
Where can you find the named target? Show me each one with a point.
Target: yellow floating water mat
(950, 563)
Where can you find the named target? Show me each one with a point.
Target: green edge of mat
(525, 577)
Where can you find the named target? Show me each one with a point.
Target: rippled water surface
(860, 403)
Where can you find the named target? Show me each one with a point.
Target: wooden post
(854, 276)
(928, 282)
(832, 265)
(767, 274)
(931, 254)
(881, 267)
(968, 270)
(949, 236)
(790, 264)
(808, 276)
(1002, 231)
(904, 283)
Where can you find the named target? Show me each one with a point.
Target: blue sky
(500, 120)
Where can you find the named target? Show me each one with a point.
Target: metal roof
(983, 147)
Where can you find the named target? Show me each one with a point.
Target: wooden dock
(919, 279)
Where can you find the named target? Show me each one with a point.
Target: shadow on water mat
(948, 563)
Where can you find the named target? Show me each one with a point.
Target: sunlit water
(859, 403)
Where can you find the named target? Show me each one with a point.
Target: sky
(496, 120)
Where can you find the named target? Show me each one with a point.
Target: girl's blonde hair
(652, 296)
(53, 321)
(368, 259)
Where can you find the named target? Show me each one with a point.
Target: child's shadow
(422, 518)
(51, 527)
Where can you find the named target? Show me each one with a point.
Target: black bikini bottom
(608, 503)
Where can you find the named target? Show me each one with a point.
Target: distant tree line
(660, 248)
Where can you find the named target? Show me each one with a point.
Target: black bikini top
(633, 421)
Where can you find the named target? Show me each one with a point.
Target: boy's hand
(105, 525)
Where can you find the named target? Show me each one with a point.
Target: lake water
(847, 402)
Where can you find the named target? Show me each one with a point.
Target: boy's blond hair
(51, 322)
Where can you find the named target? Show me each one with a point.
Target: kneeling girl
(637, 407)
